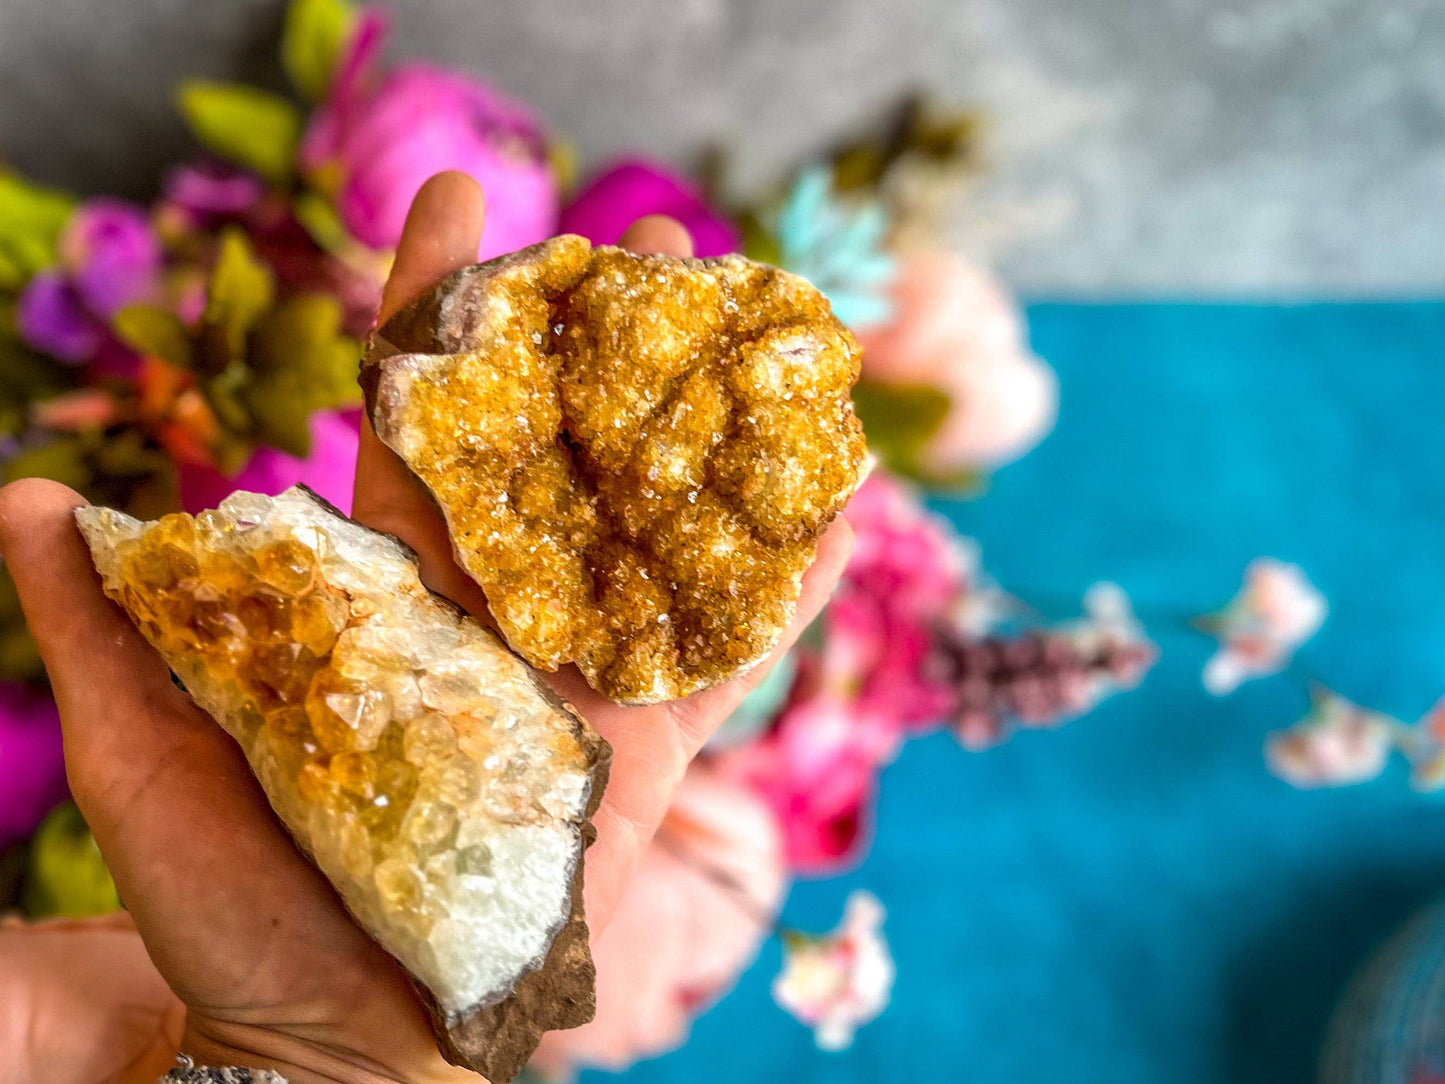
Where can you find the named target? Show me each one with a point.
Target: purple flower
(380, 139)
(629, 190)
(52, 318)
(328, 469)
(109, 258)
(32, 771)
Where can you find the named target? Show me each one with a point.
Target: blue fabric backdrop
(1133, 898)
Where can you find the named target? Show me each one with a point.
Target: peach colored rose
(955, 328)
(678, 940)
(81, 1002)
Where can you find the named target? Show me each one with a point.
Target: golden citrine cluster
(433, 781)
(635, 454)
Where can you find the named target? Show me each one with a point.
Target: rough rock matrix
(634, 454)
(442, 791)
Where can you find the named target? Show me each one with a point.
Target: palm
(243, 929)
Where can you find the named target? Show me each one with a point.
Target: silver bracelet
(188, 1072)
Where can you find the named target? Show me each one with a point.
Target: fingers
(167, 794)
(652, 747)
(98, 663)
(699, 715)
(657, 235)
(442, 232)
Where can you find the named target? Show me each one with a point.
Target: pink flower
(839, 981)
(32, 771)
(679, 938)
(378, 138)
(204, 192)
(1336, 744)
(109, 258)
(907, 572)
(329, 469)
(818, 769)
(1276, 611)
(955, 328)
(73, 411)
(619, 196)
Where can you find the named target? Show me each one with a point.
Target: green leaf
(31, 219)
(316, 32)
(302, 363)
(758, 242)
(899, 419)
(240, 290)
(25, 376)
(67, 877)
(19, 657)
(61, 460)
(318, 217)
(155, 333)
(250, 127)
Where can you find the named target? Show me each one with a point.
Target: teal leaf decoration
(840, 247)
(316, 31)
(31, 219)
(250, 127)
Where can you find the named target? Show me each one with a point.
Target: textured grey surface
(1138, 146)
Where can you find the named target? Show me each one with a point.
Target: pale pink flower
(679, 938)
(955, 328)
(75, 411)
(1425, 746)
(840, 981)
(1276, 611)
(1336, 744)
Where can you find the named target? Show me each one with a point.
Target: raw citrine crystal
(419, 763)
(634, 454)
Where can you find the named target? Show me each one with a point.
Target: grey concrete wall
(1138, 146)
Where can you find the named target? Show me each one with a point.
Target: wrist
(302, 1061)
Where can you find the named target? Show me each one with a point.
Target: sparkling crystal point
(312, 641)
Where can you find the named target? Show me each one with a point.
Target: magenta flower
(907, 572)
(32, 771)
(204, 192)
(818, 768)
(109, 258)
(618, 197)
(328, 470)
(379, 138)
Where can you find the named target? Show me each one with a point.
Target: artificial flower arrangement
(160, 357)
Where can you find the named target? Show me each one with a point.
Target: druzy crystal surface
(441, 790)
(634, 454)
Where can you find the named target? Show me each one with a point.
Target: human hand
(273, 971)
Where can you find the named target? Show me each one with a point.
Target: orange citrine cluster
(635, 454)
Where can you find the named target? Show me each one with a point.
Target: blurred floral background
(871, 844)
